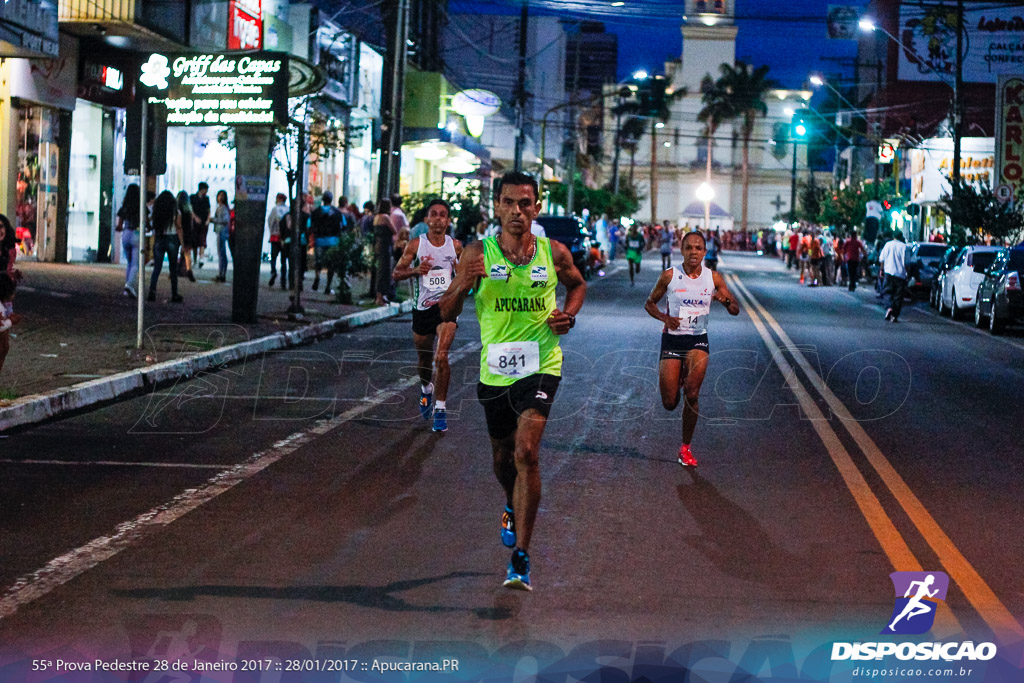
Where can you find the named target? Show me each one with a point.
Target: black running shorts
(504, 405)
(676, 346)
(425, 322)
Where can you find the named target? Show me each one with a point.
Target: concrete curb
(40, 407)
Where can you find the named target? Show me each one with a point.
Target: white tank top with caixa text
(689, 299)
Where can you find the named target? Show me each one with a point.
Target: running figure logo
(917, 597)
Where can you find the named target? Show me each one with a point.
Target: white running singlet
(689, 299)
(435, 283)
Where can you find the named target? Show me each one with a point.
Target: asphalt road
(296, 511)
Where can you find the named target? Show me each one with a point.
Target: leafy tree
(745, 88)
(844, 208)
(812, 199)
(717, 110)
(974, 207)
(348, 259)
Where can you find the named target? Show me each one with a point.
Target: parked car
(571, 232)
(948, 259)
(960, 283)
(923, 260)
(1000, 300)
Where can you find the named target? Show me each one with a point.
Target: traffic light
(651, 96)
(799, 126)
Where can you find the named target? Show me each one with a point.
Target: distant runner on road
(436, 254)
(515, 275)
(684, 339)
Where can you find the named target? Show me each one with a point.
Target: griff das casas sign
(234, 89)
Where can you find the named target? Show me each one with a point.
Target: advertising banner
(1010, 134)
(218, 89)
(993, 42)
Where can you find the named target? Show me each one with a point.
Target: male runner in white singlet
(436, 254)
(684, 339)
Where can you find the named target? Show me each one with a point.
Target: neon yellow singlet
(513, 304)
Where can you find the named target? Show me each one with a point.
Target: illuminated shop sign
(245, 25)
(218, 89)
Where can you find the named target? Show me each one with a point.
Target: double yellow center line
(984, 600)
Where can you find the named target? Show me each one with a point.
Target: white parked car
(960, 283)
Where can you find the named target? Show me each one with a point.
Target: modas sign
(1010, 133)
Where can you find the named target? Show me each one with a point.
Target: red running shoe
(686, 458)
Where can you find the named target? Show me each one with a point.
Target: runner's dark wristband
(572, 321)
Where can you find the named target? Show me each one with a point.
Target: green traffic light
(800, 130)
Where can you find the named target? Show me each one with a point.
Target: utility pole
(521, 88)
(792, 186)
(393, 94)
(618, 145)
(958, 84)
(571, 193)
(654, 172)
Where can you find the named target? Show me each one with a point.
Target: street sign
(1004, 193)
(886, 153)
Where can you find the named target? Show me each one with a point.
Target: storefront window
(84, 191)
(36, 190)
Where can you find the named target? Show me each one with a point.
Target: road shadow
(738, 546)
(373, 597)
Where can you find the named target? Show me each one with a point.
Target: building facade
(678, 148)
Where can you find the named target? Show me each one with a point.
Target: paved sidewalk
(78, 326)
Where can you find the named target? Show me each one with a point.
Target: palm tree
(745, 87)
(717, 110)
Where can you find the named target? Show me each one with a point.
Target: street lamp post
(799, 130)
(706, 193)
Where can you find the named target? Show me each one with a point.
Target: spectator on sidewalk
(8, 248)
(366, 221)
(398, 218)
(188, 232)
(166, 240)
(8, 287)
(853, 252)
(200, 222)
(385, 234)
(128, 226)
(419, 225)
(222, 229)
(326, 223)
(278, 248)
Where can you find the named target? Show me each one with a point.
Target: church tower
(709, 39)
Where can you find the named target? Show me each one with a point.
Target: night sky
(789, 37)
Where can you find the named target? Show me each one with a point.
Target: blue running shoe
(426, 403)
(440, 420)
(518, 571)
(508, 528)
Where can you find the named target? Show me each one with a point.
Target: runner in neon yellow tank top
(515, 275)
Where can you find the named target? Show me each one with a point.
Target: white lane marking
(984, 600)
(72, 564)
(893, 544)
(114, 463)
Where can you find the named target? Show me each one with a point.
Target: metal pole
(521, 89)
(618, 146)
(296, 309)
(792, 187)
(654, 172)
(143, 214)
(958, 90)
(396, 131)
(571, 200)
